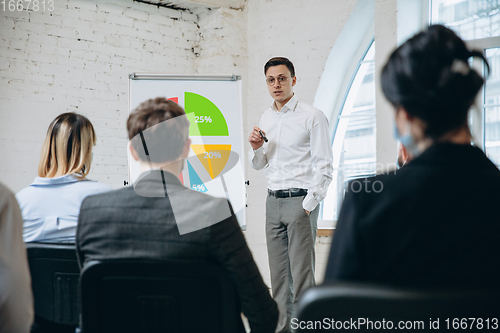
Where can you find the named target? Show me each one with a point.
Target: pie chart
(206, 115)
(206, 120)
(195, 180)
(213, 157)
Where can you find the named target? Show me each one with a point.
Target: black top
(123, 224)
(434, 222)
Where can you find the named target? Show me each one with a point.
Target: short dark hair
(429, 76)
(168, 139)
(276, 61)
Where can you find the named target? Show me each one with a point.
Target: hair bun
(430, 77)
(460, 66)
(458, 83)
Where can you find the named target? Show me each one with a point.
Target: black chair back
(54, 278)
(156, 296)
(421, 309)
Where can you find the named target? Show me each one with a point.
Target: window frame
(324, 224)
(478, 115)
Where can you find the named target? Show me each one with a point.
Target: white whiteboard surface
(216, 153)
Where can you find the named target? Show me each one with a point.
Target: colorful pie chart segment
(206, 115)
(213, 157)
(195, 180)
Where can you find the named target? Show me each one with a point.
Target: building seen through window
(491, 108)
(470, 19)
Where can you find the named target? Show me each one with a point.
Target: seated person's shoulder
(94, 186)
(24, 193)
(106, 194)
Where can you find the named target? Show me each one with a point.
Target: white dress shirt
(299, 153)
(51, 206)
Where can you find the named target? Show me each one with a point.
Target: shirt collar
(290, 105)
(153, 183)
(155, 174)
(66, 179)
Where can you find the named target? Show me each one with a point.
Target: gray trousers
(290, 236)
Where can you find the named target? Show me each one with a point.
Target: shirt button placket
(280, 126)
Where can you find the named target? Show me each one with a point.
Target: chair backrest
(54, 278)
(369, 305)
(157, 296)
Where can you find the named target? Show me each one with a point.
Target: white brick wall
(78, 58)
(223, 43)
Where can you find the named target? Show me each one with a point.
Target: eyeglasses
(281, 79)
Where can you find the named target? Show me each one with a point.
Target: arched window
(353, 134)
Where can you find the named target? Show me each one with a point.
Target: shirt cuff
(309, 202)
(259, 151)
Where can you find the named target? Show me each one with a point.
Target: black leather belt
(291, 192)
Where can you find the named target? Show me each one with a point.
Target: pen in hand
(263, 136)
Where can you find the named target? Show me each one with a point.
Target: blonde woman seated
(51, 204)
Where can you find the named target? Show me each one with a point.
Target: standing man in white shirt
(298, 163)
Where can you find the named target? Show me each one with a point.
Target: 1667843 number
(27, 5)
(471, 323)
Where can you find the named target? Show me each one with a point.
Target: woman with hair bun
(51, 204)
(434, 222)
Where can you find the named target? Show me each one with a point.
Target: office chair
(54, 279)
(144, 296)
(369, 305)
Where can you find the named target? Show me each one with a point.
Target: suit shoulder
(109, 196)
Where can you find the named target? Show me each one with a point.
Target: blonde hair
(68, 147)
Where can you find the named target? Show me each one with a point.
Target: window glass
(354, 137)
(492, 107)
(470, 19)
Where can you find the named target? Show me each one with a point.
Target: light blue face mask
(408, 141)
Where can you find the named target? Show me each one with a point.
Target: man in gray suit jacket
(155, 219)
